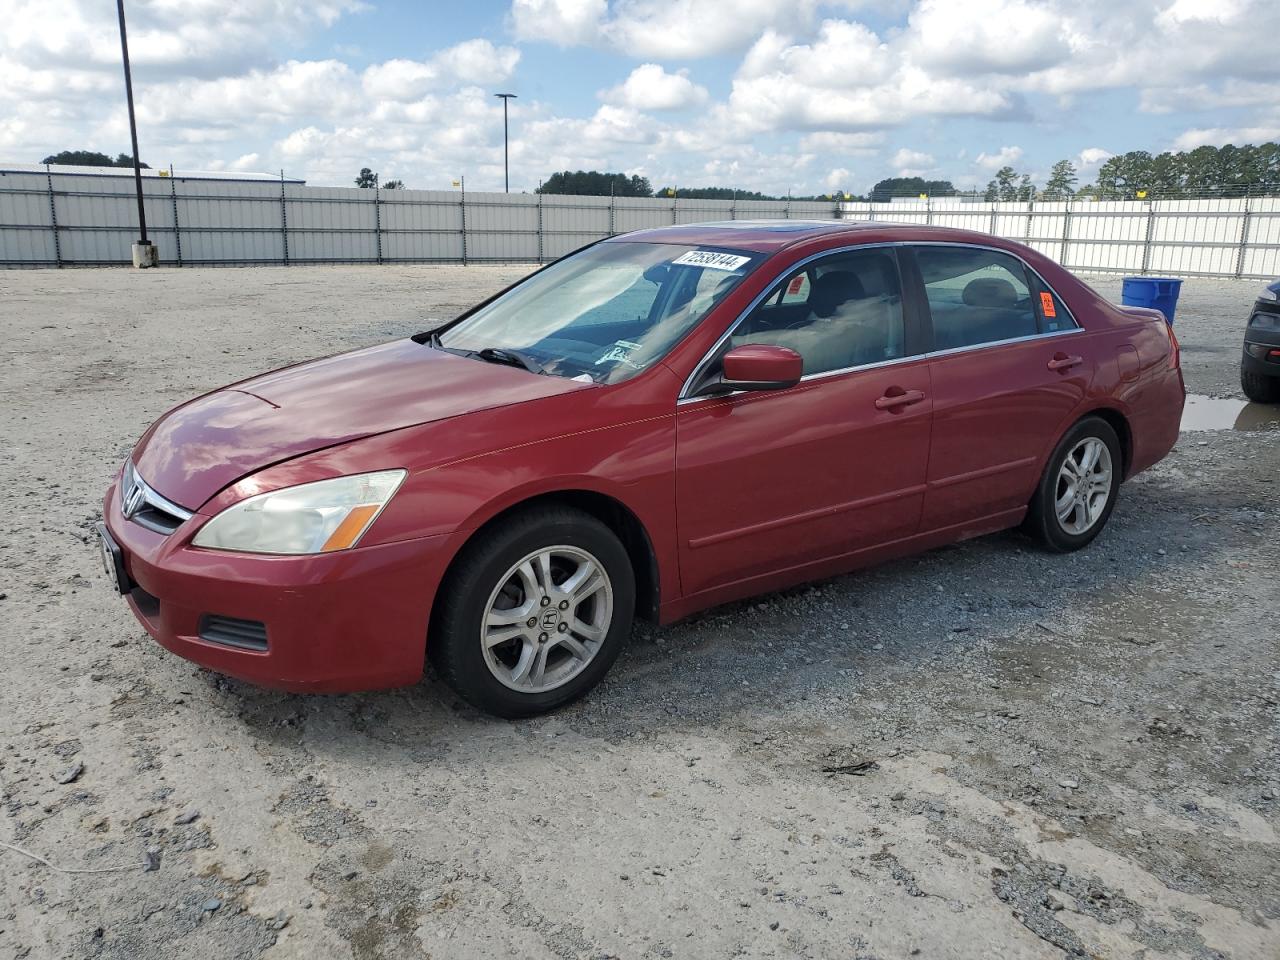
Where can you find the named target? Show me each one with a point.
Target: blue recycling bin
(1161, 293)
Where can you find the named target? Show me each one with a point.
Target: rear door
(772, 480)
(1008, 367)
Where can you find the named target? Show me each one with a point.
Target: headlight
(1264, 321)
(310, 518)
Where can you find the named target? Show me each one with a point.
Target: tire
(482, 642)
(1258, 388)
(1088, 514)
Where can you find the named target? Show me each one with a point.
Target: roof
(770, 236)
(78, 171)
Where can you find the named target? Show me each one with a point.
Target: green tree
(1061, 182)
(592, 183)
(393, 185)
(910, 187)
(1004, 186)
(1124, 176)
(367, 179)
(1166, 175)
(712, 193)
(90, 158)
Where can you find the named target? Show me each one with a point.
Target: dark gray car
(1260, 364)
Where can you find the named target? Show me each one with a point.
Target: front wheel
(534, 612)
(1079, 487)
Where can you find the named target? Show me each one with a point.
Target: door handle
(1061, 361)
(902, 399)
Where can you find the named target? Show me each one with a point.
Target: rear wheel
(1078, 490)
(1258, 388)
(534, 612)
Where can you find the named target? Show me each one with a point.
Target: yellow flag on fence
(457, 183)
(1142, 194)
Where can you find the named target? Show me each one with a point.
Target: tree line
(91, 158)
(1227, 171)
(593, 183)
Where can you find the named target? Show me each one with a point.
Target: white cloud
(848, 79)
(477, 61)
(1217, 136)
(1004, 157)
(1092, 157)
(912, 163)
(1227, 94)
(688, 29)
(838, 179)
(749, 168)
(649, 87)
(846, 144)
(472, 62)
(565, 23)
(988, 36)
(200, 37)
(658, 29)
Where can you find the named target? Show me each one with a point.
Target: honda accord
(657, 423)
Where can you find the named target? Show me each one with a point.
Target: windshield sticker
(711, 259)
(620, 352)
(1046, 304)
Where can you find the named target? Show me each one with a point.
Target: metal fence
(1212, 237)
(52, 219)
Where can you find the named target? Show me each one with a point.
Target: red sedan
(660, 422)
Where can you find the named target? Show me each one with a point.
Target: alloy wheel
(546, 619)
(1084, 486)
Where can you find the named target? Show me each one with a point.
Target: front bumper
(338, 622)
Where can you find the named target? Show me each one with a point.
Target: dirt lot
(1033, 755)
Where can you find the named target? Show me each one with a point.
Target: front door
(769, 481)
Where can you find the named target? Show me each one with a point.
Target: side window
(1054, 315)
(850, 313)
(976, 296)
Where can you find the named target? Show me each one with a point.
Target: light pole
(144, 253)
(506, 163)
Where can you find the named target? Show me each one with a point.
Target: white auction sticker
(712, 259)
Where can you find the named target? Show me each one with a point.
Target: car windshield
(605, 314)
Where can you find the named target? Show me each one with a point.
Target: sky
(801, 96)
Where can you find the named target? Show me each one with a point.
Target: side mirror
(761, 366)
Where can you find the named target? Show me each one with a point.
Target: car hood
(199, 448)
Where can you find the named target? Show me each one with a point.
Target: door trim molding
(983, 472)
(763, 527)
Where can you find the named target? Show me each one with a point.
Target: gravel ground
(982, 752)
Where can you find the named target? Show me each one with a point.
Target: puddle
(1224, 413)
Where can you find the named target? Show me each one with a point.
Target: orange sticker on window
(794, 286)
(1046, 304)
